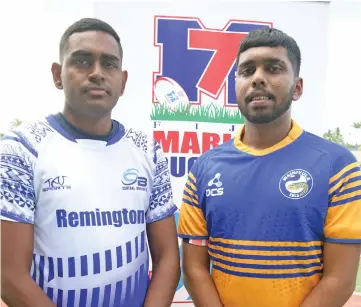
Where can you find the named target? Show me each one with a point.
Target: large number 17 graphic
(201, 60)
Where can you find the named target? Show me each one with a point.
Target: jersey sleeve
(192, 226)
(17, 194)
(343, 219)
(161, 204)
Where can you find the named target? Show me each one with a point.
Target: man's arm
(18, 289)
(342, 231)
(163, 246)
(17, 204)
(192, 229)
(196, 276)
(162, 236)
(339, 276)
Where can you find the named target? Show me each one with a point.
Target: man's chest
(260, 198)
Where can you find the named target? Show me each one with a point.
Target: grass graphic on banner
(210, 113)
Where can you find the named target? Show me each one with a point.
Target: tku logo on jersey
(57, 183)
(296, 184)
(195, 80)
(215, 186)
(132, 181)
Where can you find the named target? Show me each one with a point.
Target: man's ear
(124, 81)
(297, 93)
(56, 72)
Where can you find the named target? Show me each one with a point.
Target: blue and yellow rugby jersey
(266, 214)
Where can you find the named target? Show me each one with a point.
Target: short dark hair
(87, 24)
(271, 37)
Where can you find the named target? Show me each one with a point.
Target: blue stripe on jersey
(84, 265)
(136, 247)
(129, 252)
(119, 256)
(118, 293)
(71, 298)
(50, 293)
(41, 272)
(108, 260)
(107, 293)
(83, 297)
(95, 297)
(267, 248)
(60, 297)
(71, 267)
(51, 268)
(34, 266)
(266, 266)
(60, 267)
(265, 257)
(142, 242)
(96, 263)
(244, 274)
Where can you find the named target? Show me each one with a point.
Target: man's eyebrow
(107, 56)
(266, 60)
(80, 53)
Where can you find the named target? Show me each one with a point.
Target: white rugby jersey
(89, 201)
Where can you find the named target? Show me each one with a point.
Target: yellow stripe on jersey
(285, 271)
(343, 223)
(192, 177)
(191, 200)
(191, 222)
(343, 171)
(266, 243)
(347, 195)
(343, 181)
(191, 193)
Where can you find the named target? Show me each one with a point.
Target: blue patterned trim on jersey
(138, 138)
(123, 295)
(162, 215)
(56, 126)
(114, 258)
(16, 182)
(17, 217)
(22, 140)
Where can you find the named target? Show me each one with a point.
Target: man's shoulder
(28, 134)
(339, 155)
(216, 154)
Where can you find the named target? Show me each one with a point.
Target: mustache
(257, 92)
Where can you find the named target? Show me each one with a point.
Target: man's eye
(274, 69)
(81, 62)
(246, 72)
(110, 65)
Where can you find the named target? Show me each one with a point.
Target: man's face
(91, 73)
(265, 84)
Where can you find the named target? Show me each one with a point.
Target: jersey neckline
(293, 134)
(51, 119)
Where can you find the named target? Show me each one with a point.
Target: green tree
(334, 136)
(357, 125)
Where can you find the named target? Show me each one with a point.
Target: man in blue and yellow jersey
(276, 210)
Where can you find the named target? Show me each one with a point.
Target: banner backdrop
(181, 63)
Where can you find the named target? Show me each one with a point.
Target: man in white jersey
(82, 196)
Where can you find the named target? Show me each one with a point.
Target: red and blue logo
(195, 79)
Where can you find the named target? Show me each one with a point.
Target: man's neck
(262, 136)
(91, 125)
